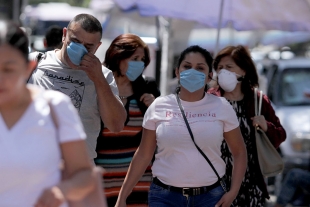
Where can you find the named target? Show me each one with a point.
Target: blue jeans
(295, 179)
(160, 197)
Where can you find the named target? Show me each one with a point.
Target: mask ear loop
(240, 78)
(209, 84)
(211, 77)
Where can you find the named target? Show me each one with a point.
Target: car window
(272, 75)
(295, 86)
(41, 26)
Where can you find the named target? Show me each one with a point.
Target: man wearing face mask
(78, 73)
(237, 78)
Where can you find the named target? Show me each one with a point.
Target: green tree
(80, 3)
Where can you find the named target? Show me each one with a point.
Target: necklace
(123, 97)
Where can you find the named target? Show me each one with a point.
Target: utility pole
(11, 10)
(165, 55)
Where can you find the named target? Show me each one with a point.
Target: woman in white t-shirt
(181, 175)
(31, 149)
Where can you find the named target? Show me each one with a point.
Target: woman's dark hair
(242, 58)
(196, 49)
(12, 35)
(123, 47)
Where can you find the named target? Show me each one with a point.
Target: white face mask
(227, 80)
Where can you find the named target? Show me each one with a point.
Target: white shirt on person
(30, 155)
(177, 160)
(52, 74)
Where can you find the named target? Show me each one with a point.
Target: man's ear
(64, 33)
(45, 43)
(97, 47)
(32, 64)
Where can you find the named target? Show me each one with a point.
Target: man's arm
(112, 111)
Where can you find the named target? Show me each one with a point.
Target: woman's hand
(237, 148)
(260, 121)
(147, 99)
(51, 197)
(226, 200)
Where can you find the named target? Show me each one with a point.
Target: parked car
(289, 91)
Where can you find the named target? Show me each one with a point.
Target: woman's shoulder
(217, 99)
(165, 99)
(265, 98)
(215, 91)
(56, 96)
(52, 96)
(145, 84)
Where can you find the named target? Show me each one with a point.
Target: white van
(289, 91)
(39, 17)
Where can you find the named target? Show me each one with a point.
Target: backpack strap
(38, 59)
(258, 105)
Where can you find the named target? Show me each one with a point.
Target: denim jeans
(160, 197)
(295, 178)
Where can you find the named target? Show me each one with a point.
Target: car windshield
(41, 26)
(295, 84)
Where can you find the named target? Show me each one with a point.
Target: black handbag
(198, 148)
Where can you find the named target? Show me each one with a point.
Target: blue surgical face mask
(76, 51)
(192, 80)
(135, 68)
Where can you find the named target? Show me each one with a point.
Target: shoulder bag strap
(38, 59)
(56, 124)
(259, 107)
(255, 101)
(260, 102)
(198, 148)
(53, 115)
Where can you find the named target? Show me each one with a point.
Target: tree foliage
(80, 3)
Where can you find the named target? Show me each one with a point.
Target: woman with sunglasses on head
(181, 174)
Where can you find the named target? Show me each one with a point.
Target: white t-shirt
(177, 160)
(30, 154)
(51, 73)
